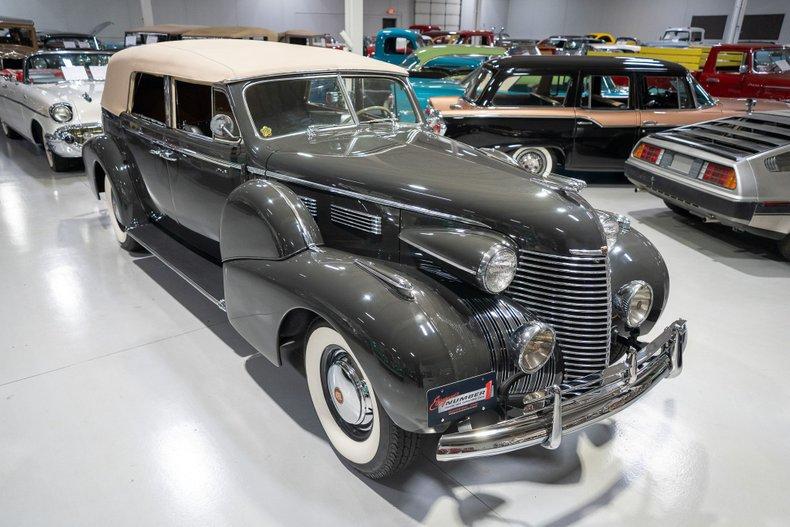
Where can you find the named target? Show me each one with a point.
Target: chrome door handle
(168, 155)
(649, 123)
(713, 80)
(584, 123)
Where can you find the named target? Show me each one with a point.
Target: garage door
(444, 13)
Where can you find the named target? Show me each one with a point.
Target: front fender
(102, 156)
(406, 346)
(634, 257)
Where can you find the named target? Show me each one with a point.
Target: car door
(728, 77)
(607, 122)
(209, 166)
(146, 133)
(666, 101)
(522, 108)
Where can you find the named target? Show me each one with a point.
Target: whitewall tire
(55, 162)
(357, 426)
(124, 240)
(535, 160)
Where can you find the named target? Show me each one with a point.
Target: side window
(730, 61)
(397, 46)
(532, 89)
(605, 92)
(666, 93)
(193, 108)
(149, 97)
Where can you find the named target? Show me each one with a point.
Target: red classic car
(747, 70)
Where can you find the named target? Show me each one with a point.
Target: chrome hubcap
(533, 162)
(348, 390)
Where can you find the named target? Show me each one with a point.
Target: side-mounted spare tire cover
(265, 220)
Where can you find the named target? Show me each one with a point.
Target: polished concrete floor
(126, 398)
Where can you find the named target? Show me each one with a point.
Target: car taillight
(720, 175)
(649, 153)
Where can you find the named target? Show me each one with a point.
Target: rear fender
(406, 344)
(102, 156)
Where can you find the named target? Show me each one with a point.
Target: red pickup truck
(747, 70)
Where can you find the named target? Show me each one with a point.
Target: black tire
(680, 211)
(56, 163)
(378, 449)
(9, 132)
(124, 240)
(784, 247)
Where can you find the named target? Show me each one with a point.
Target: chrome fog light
(497, 269)
(633, 302)
(531, 345)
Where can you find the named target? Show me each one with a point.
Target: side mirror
(223, 127)
(743, 68)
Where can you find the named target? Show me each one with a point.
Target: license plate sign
(461, 398)
(681, 164)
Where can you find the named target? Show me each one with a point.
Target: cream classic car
(53, 101)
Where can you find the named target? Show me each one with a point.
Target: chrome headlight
(61, 112)
(633, 302)
(613, 226)
(497, 269)
(531, 346)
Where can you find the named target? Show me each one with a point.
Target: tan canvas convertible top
(214, 61)
(232, 32)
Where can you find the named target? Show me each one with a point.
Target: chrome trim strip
(364, 197)
(439, 257)
(399, 283)
(355, 219)
(310, 204)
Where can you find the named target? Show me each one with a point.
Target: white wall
(645, 19)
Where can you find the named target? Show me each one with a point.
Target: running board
(200, 273)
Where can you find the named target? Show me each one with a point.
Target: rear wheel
(8, 131)
(536, 160)
(680, 211)
(111, 201)
(784, 247)
(56, 163)
(358, 428)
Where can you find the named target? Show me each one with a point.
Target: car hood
(422, 170)
(84, 98)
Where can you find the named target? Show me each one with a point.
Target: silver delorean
(734, 170)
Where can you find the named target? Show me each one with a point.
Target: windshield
(293, 106)
(676, 35)
(704, 99)
(16, 36)
(766, 60)
(70, 43)
(60, 67)
(476, 83)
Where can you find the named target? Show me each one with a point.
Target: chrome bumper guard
(588, 400)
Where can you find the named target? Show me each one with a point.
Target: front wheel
(111, 201)
(56, 163)
(535, 160)
(358, 428)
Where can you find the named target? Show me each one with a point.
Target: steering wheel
(387, 111)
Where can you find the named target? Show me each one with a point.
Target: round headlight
(531, 346)
(61, 112)
(633, 302)
(497, 269)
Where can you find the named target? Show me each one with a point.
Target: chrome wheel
(347, 393)
(536, 161)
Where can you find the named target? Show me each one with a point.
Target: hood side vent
(355, 219)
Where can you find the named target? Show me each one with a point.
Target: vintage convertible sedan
(429, 287)
(733, 171)
(581, 113)
(54, 101)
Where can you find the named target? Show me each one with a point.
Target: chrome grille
(355, 219)
(310, 204)
(496, 319)
(572, 294)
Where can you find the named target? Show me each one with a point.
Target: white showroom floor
(127, 399)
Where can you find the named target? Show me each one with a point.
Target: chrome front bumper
(594, 397)
(67, 140)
